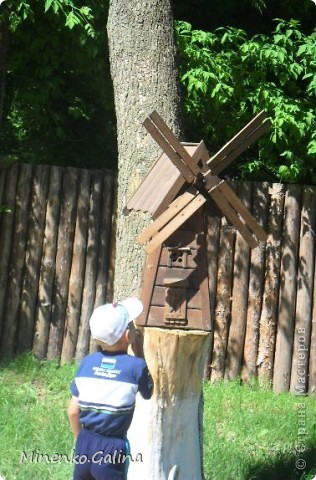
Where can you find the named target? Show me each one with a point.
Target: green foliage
(227, 78)
(73, 14)
(15, 12)
(4, 209)
(259, 4)
(59, 105)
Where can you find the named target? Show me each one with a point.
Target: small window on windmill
(176, 284)
(178, 256)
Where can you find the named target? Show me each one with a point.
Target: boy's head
(109, 322)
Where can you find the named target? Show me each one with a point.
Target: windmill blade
(172, 147)
(236, 140)
(174, 208)
(232, 217)
(174, 142)
(242, 147)
(169, 151)
(175, 223)
(249, 220)
(239, 143)
(205, 183)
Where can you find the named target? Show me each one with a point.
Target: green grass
(33, 403)
(249, 432)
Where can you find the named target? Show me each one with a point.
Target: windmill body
(181, 185)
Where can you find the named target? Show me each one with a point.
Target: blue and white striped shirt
(106, 384)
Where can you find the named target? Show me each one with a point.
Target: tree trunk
(4, 43)
(169, 421)
(145, 78)
(144, 74)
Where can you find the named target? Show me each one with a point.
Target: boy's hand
(136, 340)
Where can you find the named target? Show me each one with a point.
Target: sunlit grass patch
(250, 433)
(33, 402)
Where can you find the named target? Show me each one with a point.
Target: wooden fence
(55, 249)
(263, 300)
(56, 266)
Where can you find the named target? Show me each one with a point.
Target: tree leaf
(48, 4)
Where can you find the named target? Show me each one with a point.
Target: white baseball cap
(108, 322)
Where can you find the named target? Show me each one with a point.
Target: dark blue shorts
(100, 458)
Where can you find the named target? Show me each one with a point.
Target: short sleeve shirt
(106, 385)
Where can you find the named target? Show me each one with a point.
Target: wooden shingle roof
(162, 183)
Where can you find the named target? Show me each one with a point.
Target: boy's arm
(73, 415)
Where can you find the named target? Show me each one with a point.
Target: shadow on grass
(299, 467)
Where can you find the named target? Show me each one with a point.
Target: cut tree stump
(164, 434)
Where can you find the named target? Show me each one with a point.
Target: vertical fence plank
(112, 209)
(106, 239)
(66, 230)
(256, 284)
(17, 257)
(6, 233)
(47, 271)
(269, 313)
(236, 336)
(312, 353)
(304, 302)
(77, 271)
(33, 258)
(2, 182)
(212, 246)
(288, 285)
(222, 313)
(92, 254)
(106, 258)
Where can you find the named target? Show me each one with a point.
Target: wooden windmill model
(177, 191)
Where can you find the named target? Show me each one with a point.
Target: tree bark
(4, 44)
(144, 74)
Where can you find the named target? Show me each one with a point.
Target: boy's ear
(127, 336)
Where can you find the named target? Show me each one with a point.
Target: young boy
(103, 394)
